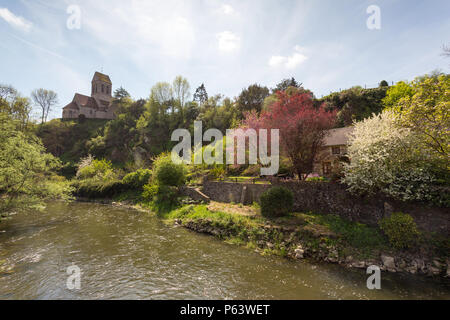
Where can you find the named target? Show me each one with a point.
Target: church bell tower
(101, 87)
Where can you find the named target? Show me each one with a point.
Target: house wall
(326, 155)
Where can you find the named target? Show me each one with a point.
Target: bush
(400, 229)
(96, 169)
(167, 173)
(163, 198)
(276, 202)
(93, 189)
(137, 179)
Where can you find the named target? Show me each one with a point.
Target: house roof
(338, 137)
(102, 77)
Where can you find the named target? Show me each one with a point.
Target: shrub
(91, 188)
(137, 179)
(400, 229)
(167, 173)
(97, 169)
(162, 198)
(276, 202)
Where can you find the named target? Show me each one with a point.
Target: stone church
(97, 106)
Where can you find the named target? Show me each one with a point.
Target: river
(126, 254)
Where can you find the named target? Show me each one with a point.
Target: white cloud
(228, 41)
(15, 21)
(227, 9)
(289, 62)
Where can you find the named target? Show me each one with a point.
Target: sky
(327, 45)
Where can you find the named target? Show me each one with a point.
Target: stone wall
(333, 198)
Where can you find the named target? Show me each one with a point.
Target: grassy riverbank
(309, 236)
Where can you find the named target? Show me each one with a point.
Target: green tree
(286, 83)
(120, 94)
(26, 170)
(181, 89)
(427, 112)
(394, 94)
(200, 95)
(16, 106)
(252, 98)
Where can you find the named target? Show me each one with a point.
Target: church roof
(80, 100)
(101, 77)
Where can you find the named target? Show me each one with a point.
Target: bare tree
(45, 99)
(446, 51)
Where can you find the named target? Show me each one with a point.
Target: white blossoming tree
(388, 158)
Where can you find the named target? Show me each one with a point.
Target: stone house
(97, 106)
(334, 152)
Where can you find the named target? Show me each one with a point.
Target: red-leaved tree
(302, 126)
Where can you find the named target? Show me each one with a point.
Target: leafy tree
(384, 83)
(200, 95)
(286, 83)
(162, 92)
(395, 93)
(181, 89)
(302, 127)
(427, 112)
(26, 171)
(252, 98)
(355, 104)
(120, 94)
(388, 158)
(16, 106)
(46, 100)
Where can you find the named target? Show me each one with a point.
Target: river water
(126, 254)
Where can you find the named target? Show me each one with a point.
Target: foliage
(302, 127)
(162, 198)
(401, 230)
(252, 98)
(138, 178)
(69, 139)
(15, 106)
(356, 234)
(394, 94)
(26, 172)
(95, 189)
(95, 170)
(285, 84)
(388, 158)
(167, 173)
(355, 104)
(427, 112)
(200, 95)
(317, 179)
(276, 202)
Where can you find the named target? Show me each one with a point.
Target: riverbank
(306, 236)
